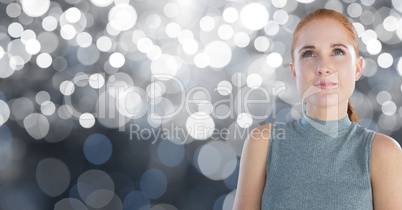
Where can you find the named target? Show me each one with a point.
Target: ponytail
(352, 113)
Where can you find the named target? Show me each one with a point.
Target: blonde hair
(331, 14)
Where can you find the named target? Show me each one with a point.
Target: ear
(292, 70)
(359, 67)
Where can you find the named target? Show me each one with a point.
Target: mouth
(325, 85)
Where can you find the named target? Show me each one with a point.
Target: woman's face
(325, 65)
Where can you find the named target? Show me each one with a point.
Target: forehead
(324, 30)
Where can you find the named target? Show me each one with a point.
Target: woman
(323, 160)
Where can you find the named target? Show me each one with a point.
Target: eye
(308, 54)
(339, 52)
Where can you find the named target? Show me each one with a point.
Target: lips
(325, 85)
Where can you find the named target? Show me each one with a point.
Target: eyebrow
(332, 46)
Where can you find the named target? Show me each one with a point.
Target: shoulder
(386, 170)
(258, 140)
(385, 147)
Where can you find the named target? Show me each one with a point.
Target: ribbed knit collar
(331, 127)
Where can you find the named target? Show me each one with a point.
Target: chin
(326, 100)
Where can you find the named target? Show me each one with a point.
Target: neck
(329, 113)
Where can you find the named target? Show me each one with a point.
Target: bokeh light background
(140, 104)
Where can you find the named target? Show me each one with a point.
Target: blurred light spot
(35, 8)
(96, 80)
(306, 1)
(122, 17)
(390, 23)
(238, 79)
(154, 120)
(205, 106)
(190, 46)
(389, 108)
(73, 15)
(172, 30)
(171, 10)
(70, 203)
(367, 2)
(27, 35)
(144, 44)
(163, 206)
(254, 16)
(185, 35)
(370, 67)
(207, 23)
(117, 60)
(241, 39)
(15, 30)
(279, 3)
(68, 32)
(244, 120)
(230, 15)
(165, 67)
(88, 56)
(216, 160)
(272, 28)
(49, 42)
(399, 66)
(44, 60)
(201, 60)
(131, 102)
(42, 96)
(254, 81)
(385, 60)
(136, 200)
(334, 5)
(49, 23)
(32, 46)
(47, 108)
(224, 88)
(387, 122)
(374, 47)
(36, 125)
(13, 10)
(229, 201)
(359, 28)
(5, 140)
(383, 96)
(170, 154)
(87, 120)
(200, 125)
(274, 60)
(67, 88)
(368, 35)
(153, 183)
(84, 39)
(97, 149)
(65, 112)
(20, 108)
(219, 54)
(102, 3)
(153, 21)
(4, 113)
(52, 176)
(225, 32)
(354, 10)
(281, 17)
(156, 89)
(397, 5)
(104, 43)
(95, 188)
(261, 43)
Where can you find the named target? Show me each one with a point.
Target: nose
(324, 67)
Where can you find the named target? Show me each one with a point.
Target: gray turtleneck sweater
(315, 164)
